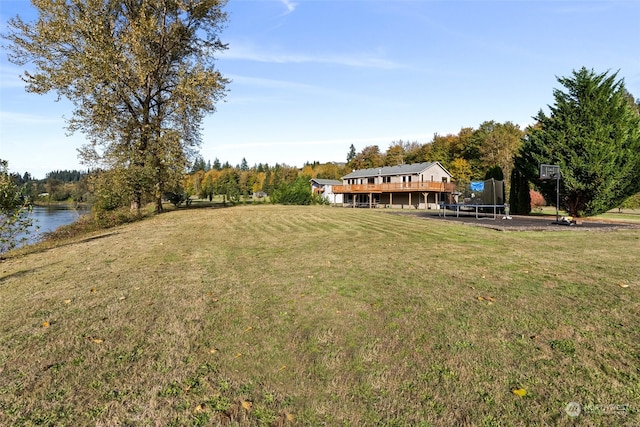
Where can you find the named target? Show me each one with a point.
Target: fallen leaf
(213, 350)
(246, 405)
(67, 301)
(198, 409)
(289, 417)
(46, 324)
(93, 289)
(624, 285)
(480, 299)
(248, 328)
(283, 367)
(96, 340)
(519, 392)
(121, 298)
(238, 355)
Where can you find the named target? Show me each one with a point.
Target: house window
(431, 178)
(444, 179)
(386, 179)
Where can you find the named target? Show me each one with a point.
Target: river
(48, 218)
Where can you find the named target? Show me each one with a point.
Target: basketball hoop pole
(547, 172)
(557, 196)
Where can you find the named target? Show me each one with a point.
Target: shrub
(298, 193)
(537, 200)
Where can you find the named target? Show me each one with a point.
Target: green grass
(271, 315)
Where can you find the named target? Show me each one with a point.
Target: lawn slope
(271, 315)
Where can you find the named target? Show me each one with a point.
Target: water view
(48, 218)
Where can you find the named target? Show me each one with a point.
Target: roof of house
(415, 168)
(326, 181)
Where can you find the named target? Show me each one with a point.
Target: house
(324, 187)
(419, 185)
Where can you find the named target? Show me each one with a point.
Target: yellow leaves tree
(140, 74)
(461, 171)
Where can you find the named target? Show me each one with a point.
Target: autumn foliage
(537, 200)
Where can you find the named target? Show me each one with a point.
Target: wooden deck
(401, 187)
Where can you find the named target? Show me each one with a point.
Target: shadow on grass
(23, 272)
(46, 245)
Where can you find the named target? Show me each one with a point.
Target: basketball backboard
(549, 171)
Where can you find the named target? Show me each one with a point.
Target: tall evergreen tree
(352, 153)
(593, 134)
(519, 196)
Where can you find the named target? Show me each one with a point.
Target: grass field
(272, 315)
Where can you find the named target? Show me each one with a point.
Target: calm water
(48, 218)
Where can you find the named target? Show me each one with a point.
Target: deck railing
(395, 187)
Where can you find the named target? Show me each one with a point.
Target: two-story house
(420, 185)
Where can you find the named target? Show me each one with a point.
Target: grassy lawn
(272, 315)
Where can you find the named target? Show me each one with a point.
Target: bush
(176, 198)
(114, 217)
(537, 200)
(298, 193)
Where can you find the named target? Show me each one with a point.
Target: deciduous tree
(140, 74)
(14, 211)
(394, 155)
(369, 157)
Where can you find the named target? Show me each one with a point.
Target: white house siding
(331, 198)
(326, 191)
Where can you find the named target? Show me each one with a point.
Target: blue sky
(312, 77)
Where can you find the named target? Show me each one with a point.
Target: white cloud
(12, 118)
(10, 77)
(291, 6)
(247, 52)
(378, 140)
(283, 91)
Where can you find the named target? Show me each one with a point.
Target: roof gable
(326, 181)
(413, 169)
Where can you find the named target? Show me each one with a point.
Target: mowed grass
(272, 315)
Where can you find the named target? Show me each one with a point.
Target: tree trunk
(136, 202)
